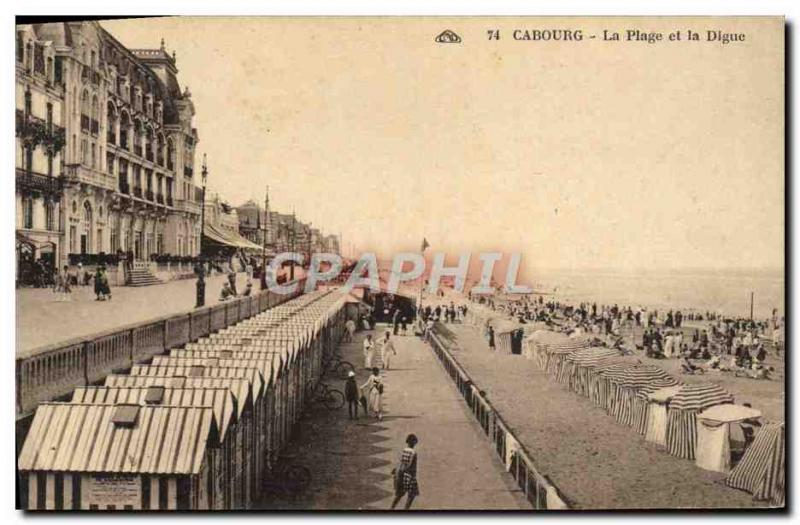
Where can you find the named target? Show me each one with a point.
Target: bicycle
(339, 367)
(320, 393)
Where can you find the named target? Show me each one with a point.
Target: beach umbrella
(682, 415)
(761, 471)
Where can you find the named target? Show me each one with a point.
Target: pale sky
(577, 154)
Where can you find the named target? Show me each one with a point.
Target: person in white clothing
(369, 351)
(387, 350)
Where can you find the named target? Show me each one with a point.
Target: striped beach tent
(606, 383)
(682, 415)
(558, 352)
(762, 470)
(580, 363)
(640, 404)
(631, 381)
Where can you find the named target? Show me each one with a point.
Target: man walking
(351, 395)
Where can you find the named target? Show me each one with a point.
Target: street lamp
(201, 283)
(204, 178)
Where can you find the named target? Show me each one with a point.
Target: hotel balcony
(137, 192)
(148, 194)
(38, 182)
(169, 201)
(159, 198)
(80, 174)
(124, 187)
(111, 137)
(137, 149)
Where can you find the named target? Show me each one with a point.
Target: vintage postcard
(400, 263)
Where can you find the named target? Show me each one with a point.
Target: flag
(424, 244)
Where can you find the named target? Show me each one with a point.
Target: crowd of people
(711, 342)
(66, 279)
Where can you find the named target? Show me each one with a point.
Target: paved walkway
(351, 461)
(41, 320)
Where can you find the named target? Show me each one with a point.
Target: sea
(726, 292)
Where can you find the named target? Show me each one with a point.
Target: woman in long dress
(405, 475)
(373, 391)
(369, 351)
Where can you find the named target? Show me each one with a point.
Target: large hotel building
(105, 149)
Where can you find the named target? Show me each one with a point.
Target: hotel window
(49, 215)
(94, 156)
(73, 241)
(27, 212)
(84, 151)
(20, 48)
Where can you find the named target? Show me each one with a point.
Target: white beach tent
(713, 450)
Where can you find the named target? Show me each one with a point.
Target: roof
(239, 387)
(220, 399)
(699, 396)
(73, 437)
(729, 413)
(251, 374)
(263, 364)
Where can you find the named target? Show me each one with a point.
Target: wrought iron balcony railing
(137, 192)
(124, 187)
(159, 198)
(33, 181)
(148, 194)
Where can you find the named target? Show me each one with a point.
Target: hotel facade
(105, 149)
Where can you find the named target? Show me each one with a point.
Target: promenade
(41, 320)
(351, 461)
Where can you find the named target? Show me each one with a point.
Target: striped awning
(761, 471)
(699, 396)
(644, 391)
(592, 355)
(642, 375)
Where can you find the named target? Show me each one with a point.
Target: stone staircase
(141, 276)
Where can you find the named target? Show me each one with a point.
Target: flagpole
(421, 280)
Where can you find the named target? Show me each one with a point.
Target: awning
(228, 238)
(24, 239)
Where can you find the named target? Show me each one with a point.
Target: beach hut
(601, 378)
(656, 416)
(241, 390)
(629, 384)
(682, 415)
(761, 472)
(713, 451)
(119, 457)
(640, 405)
(247, 447)
(578, 365)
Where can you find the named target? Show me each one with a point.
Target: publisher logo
(448, 37)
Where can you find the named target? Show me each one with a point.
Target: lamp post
(201, 282)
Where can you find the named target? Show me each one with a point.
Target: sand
(596, 462)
